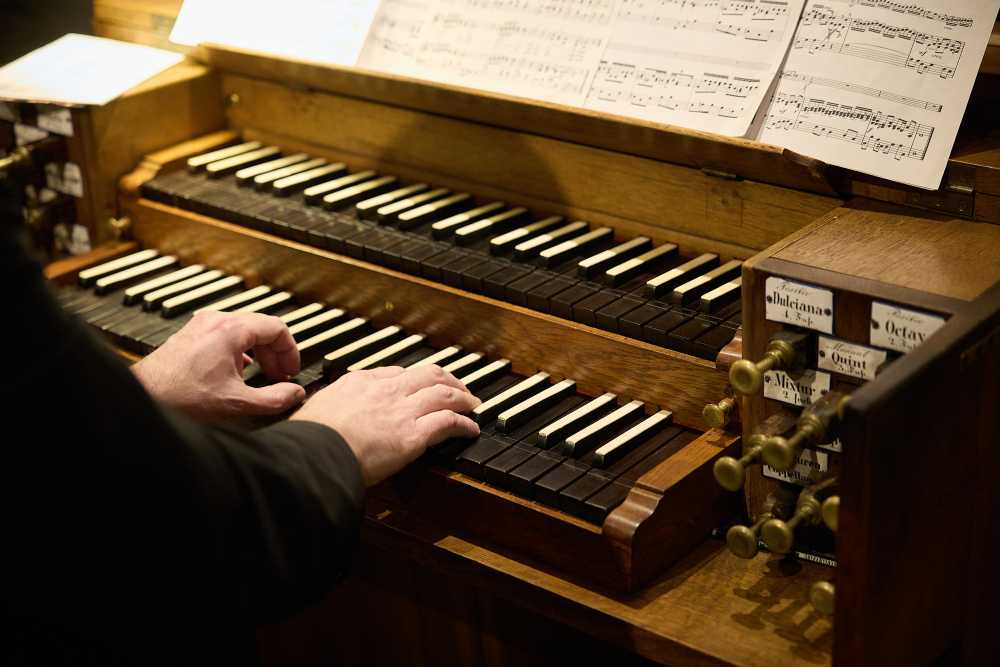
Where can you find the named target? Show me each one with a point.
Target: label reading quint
(900, 328)
(840, 356)
(799, 304)
(800, 387)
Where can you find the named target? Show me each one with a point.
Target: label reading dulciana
(808, 467)
(901, 329)
(799, 387)
(799, 304)
(852, 359)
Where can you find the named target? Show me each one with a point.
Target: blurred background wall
(26, 25)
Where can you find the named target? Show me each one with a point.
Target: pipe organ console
(656, 319)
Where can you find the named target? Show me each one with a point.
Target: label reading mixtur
(799, 304)
(900, 328)
(852, 359)
(799, 387)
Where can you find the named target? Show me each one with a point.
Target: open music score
(542, 49)
(866, 129)
(869, 84)
(714, 94)
(822, 29)
(765, 20)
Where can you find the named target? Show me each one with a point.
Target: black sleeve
(125, 514)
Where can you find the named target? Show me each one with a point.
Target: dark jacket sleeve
(126, 514)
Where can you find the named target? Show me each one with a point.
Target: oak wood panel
(711, 609)
(650, 192)
(65, 271)
(534, 341)
(919, 250)
(748, 159)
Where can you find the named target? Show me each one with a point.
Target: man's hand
(389, 416)
(199, 370)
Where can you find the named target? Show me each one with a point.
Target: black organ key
(368, 208)
(134, 274)
(302, 313)
(710, 344)
(316, 193)
(350, 196)
(557, 431)
(540, 297)
(447, 453)
(585, 312)
(504, 243)
(238, 300)
(154, 299)
(485, 376)
(445, 228)
(386, 356)
(615, 450)
(665, 283)
(646, 262)
(88, 277)
(435, 210)
(561, 304)
(567, 250)
(521, 480)
(307, 327)
(453, 273)
(531, 248)
(720, 297)
(599, 505)
(609, 317)
(692, 290)
(586, 439)
(290, 184)
(491, 409)
(345, 356)
(495, 284)
(495, 224)
(199, 162)
(596, 265)
(631, 324)
(441, 357)
(389, 214)
(265, 181)
(237, 162)
(269, 304)
(657, 331)
(244, 177)
(466, 365)
(204, 294)
(339, 334)
(682, 338)
(519, 415)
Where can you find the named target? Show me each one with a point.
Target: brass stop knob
(747, 377)
(831, 512)
(779, 536)
(716, 415)
(821, 596)
(730, 473)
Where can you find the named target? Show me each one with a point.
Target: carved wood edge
(731, 353)
(168, 160)
(65, 271)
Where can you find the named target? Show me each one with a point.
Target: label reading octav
(800, 387)
(808, 467)
(840, 356)
(799, 304)
(899, 328)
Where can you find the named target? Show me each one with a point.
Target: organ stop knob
(785, 351)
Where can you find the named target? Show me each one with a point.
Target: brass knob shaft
(19, 156)
(747, 377)
(781, 453)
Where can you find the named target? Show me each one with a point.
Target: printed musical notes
(862, 127)
(822, 29)
(701, 64)
(542, 49)
(872, 85)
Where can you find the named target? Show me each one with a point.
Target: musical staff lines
(911, 10)
(690, 57)
(863, 90)
(598, 12)
(710, 94)
(757, 20)
(822, 29)
(867, 129)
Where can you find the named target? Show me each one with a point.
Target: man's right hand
(389, 416)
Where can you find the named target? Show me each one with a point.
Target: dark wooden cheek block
(671, 509)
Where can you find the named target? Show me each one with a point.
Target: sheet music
(700, 64)
(542, 49)
(880, 86)
(329, 31)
